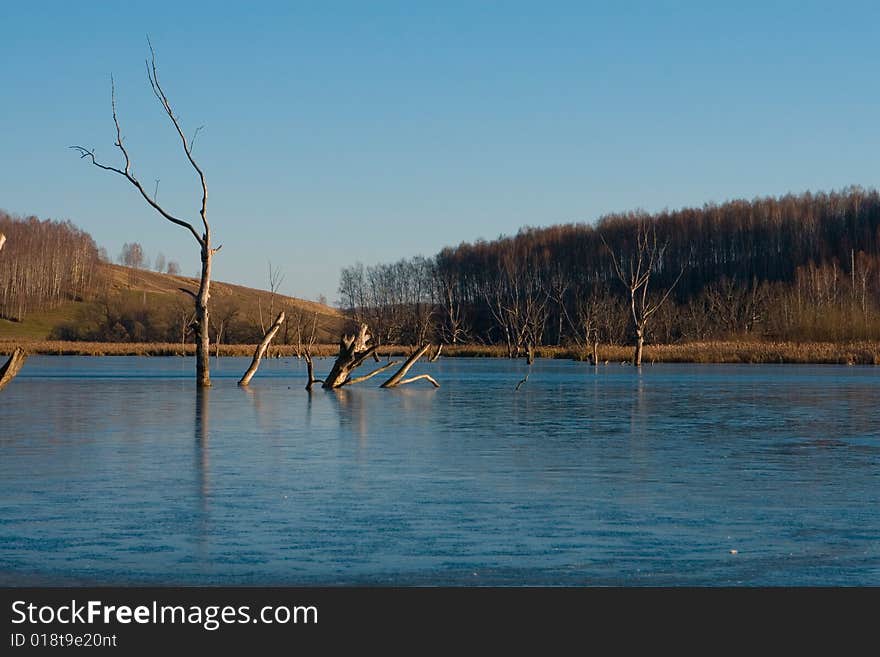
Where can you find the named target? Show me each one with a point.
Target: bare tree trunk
(311, 367)
(398, 380)
(595, 352)
(437, 353)
(261, 349)
(640, 341)
(353, 351)
(203, 345)
(13, 365)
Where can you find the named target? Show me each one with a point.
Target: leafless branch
(366, 377)
(153, 76)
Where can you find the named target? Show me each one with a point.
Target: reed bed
(843, 353)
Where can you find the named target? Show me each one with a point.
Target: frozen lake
(115, 471)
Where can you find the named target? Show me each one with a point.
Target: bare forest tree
(275, 279)
(132, 255)
(397, 301)
(159, 264)
(173, 268)
(44, 263)
(634, 269)
(221, 317)
(201, 236)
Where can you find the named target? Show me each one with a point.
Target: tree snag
(16, 361)
(436, 355)
(311, 367)
(353, 351)
(261, 349)
(12, 366)
(398, 380)
(206, 251)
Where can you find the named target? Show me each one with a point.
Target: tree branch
(153, 76)
(365, 377)
(418, 378)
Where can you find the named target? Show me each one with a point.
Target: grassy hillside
(162, 292)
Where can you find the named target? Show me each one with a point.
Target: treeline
(801, 267)
(44, 263)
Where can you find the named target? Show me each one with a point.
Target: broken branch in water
(261, 349)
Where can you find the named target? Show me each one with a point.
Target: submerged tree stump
(311, 367)
(12, 366)
(261, 349)
(353, 351)
(436, 353)
(398, 380)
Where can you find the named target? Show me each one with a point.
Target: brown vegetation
(44, 264)
(790, 269)
(864, 352)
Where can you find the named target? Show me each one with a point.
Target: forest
(48, 264)
(797, 267)
(45, 263)
(792, 268)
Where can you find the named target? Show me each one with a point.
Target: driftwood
(353, 351)
(13, 365)
(261, 349)
(398, 380)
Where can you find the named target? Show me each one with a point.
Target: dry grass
(159, 292)
(62, 348)
(849, 353)
(844, 353)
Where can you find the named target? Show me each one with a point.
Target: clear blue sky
(338, 132)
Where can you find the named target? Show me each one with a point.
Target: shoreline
(864, 352)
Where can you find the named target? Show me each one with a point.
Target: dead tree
(311, 367)
(261, 349)
(635, 272)
(16, 361)
(203, 344)
(398, 380)
(306, 350)
(276, 278)
(436, 355)
(12, 366)
(353, 351)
